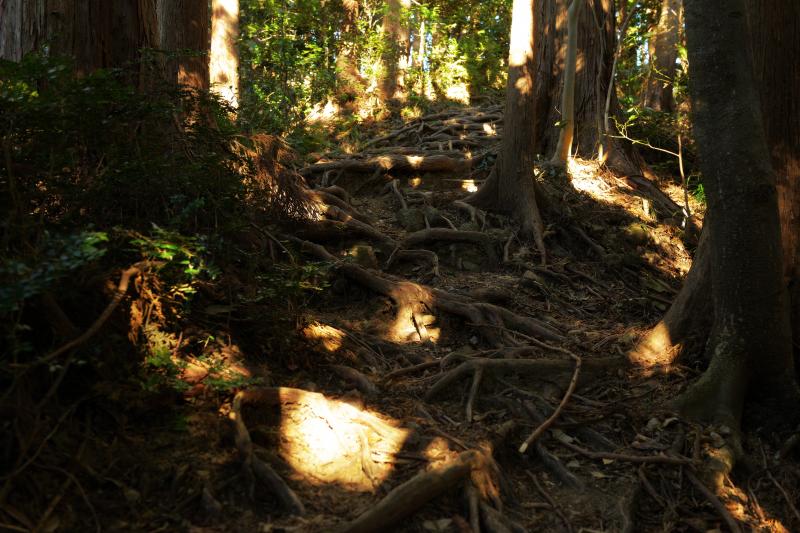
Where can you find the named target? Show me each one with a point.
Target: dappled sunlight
(655, 349)
(406, 329)
(469, 185)
(584, 177)
(224, 55)
(330, 441)
(490, 129)
(324, 113)
(328, 337)
(458, 93)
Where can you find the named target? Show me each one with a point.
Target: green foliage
(184, 254)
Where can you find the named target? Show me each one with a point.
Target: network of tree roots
(443, 378)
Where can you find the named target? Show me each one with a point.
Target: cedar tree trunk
(775, 44)
(184, 32)
(510, 187)
(396, 51)
(663, 53)
(224, 55)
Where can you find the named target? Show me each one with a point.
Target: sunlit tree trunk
(183, 28)
(224, 55)
(567, 133)
(395, 51)
(595, 53)
(663, 54)
(510, 187)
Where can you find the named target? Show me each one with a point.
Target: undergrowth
(98, 176)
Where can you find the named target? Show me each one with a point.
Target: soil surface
(345, 416)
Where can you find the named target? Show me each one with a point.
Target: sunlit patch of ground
(332, 442)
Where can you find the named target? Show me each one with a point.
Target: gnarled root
(254, 468)
(414, 300)
(408, 497)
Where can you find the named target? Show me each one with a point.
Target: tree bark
(511, 187)
(183, 27)
(775, 45)
(395, 51)
(750, 340)
(663, 53)
(567, 133)
(96, 33)
(224, 55)
(596, 44)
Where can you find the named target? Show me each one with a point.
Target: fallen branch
(661, 459)
(536, 367)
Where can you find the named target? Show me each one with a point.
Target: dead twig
(551, 420)
(660, 459)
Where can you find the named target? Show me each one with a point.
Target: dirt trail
(440, 347)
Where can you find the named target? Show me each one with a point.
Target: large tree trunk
(184, 33)
(775, 44)
(663, 53)
(224, 55)
(510, 187)
(395, 52)
(96, 33)
(750, 340)
(774, 36)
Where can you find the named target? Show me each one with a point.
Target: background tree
(596, 44)
(395, 54)
(350, 83)
(663, 54)
(510, 187)
(224, 54)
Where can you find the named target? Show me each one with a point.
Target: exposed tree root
(450, 235)
(729, 520)
(254, 468)
(428, 255)
(414, 300)
(397, 163)
(327, 199)
(328, 230)
(408, 497)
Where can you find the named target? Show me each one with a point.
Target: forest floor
(437, 343)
